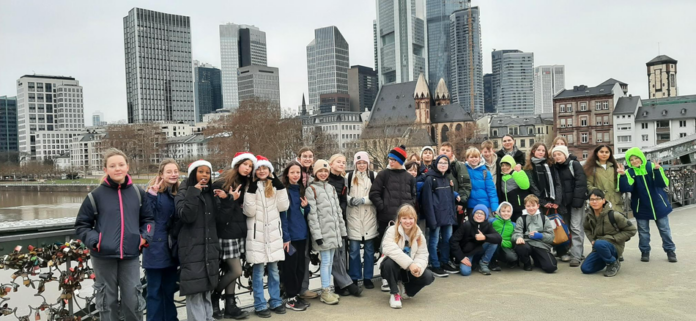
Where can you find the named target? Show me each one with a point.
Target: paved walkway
(641, 291)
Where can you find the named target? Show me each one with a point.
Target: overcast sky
(594, 39)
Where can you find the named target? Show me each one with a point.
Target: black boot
(215, 298)
(231, 309)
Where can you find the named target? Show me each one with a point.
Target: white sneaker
(395, 301)
(385, 286)
(402, 291)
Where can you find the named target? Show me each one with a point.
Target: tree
(322, 143)
(143, 143)
(377, 139)
(464, 137)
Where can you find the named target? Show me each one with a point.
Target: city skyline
(90, 48)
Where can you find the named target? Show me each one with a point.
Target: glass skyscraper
(259, 82)
(516, 84)
(466, 64)
(240, 46)
(8, 125)
(208, 89)
(548, 81)
(438, 18)
(401, 41)
(496, 64)
(327, 64)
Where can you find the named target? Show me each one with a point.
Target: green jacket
(600, 228)
(606, 180)
(462, 183)
(505, 229)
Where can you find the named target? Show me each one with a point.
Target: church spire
(422, 90)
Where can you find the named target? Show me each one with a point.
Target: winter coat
(339, 184)
(264, 242)
(515, 186)
(361, 219)
(505, 228)
(231, 223)
(158, 254)
(600, 228)
(605, 180)
(325, 219)
(539, 180)
(199, 248)
(573, 183)
(482, 187)
(422, 168)
(418, 252)
(459, 175)
(391, 189)
(437, 200)
(647, 187)
(536, 222)
(518, 156)
(120, 221)
(294, 220)
(464, 243)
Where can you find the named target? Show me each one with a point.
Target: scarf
(550, 191)
(512, 152)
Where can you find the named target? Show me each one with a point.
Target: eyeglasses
(595, 199)
(480, 213)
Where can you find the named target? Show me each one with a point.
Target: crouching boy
(533, 237)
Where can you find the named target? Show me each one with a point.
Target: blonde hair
(333, 158)
(561, 138)
(531, 198)
(160, 172)
(472, 151)
(408, 210)
(111, 152)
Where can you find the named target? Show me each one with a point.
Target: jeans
(116, 276)
(161, 286)
(273, 286)
(603, 253)
(325, 267)
(488, 252)
(435, 244)
(355, 267)
(665, 233)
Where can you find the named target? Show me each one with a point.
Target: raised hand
(480, 236)
(156, 186)
(236, 193)
(657, 165)
(621, 170)
(220, 193)
(201, 184)
(518, 168)
(303, 202)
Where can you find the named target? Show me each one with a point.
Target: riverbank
(64, 186)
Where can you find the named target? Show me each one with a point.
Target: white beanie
(562, 149)
(199, 163)
(242, 156)
(427, 148)
(361, 156)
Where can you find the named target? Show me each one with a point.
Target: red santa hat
(263, 161)
(198, 163)
(242, 156)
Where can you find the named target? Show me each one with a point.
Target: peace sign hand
(621, 169)
(657, 165)
(156, 186)
(303, 202)
(236, 193)
(201, 185)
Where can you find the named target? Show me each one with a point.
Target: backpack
(94, 204)
(612, 220)
(370, 174)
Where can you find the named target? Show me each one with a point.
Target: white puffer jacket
(361, 219)
(419, 252)
(264, 242)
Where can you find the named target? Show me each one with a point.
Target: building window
(570, 138)
(584, 154)
(563, 108)
(583, 138)
(624, 139)
(599, 138)
(569, 108)
(607, 139)
(644, 125)
(531, 131)
(522, 141)
(682, 123)
(605, 105)
(662, 124)
(682, 135)
(599, 120)
(583, 122)
(495, 133)
(606, 120)
(563, 123)
(624, 126)
(583, 106)
(644, 138)
(570, 122)
(598, 106)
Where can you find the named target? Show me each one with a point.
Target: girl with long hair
(601, 171)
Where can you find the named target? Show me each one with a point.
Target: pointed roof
(441, 92)
(612, 81)
(303, 101)
(422, 90)
(661, 59)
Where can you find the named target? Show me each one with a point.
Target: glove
(362, 201)
(277, 183)
(537, 236)
(253, 186)
(355, 201)
(319, 241)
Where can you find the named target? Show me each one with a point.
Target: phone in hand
(291, 250)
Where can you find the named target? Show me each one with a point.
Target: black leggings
(233, 270)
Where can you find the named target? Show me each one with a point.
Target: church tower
(422, 98)
(442, 96)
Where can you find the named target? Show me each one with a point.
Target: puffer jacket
(464, 243)
(515, 186)
(199, 248)
(600, 228)
(121, 222)
(517, 155)
(361, 219)
(536, 222)
(573, 183)
(606, 180)
(505, 228)
(231, 223)
(395, 251)
(482, 188)
(437, 199)
(647, 187)
(391, 189)
(158, 255)
(264, 241)
(325, 220)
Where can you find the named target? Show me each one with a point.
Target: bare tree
(143, 143)
(378, 139)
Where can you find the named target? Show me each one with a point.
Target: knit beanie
(321, 164)
(361, 156)
(198, 163)
(398, 154)
(263, 161)
(562, 149)
(427, 148)
(242, 156)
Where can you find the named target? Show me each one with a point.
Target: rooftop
(627, 105)
(47, 77)
(653, 111)
(661, 59)
(602, 89)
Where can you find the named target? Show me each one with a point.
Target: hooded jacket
(600, 228)
(264, 241)
(517, 155)
(437, 199)
(573, 183)
(121, 222)
(325, 220)
(294, 220)
(606, 181)
(158, 255)
(504, 227)
(361, 219)
(536, 222)
(482, 188)
(391, 189)
(514, 187)
(464, 243)
(646, 185)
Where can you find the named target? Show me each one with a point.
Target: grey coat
(534, 223)
(325, 219)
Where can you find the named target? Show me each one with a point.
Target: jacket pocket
(99, 294)
(663, 199)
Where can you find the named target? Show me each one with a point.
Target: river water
(20, 205)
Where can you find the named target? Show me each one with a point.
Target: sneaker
(612, 269)
(528, 266)
(395, 301)
(493, 266)
(565, 258)
(300, 299)
(385, 286)
(367, 283)
(402, 291)
(327, 296)
(645, 257)
(621, 259)
(266, 313)
(574, 263)
(309, 295)
(439, 272)
(672, 257)
(279, 309)
(483, 269)
(450, 268)
(295, 304)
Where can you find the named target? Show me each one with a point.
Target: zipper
(120, 202)
(99, 243)
(505, 191)
(652, 206)
(519, 203)
(254, 229)
(637, 207)
(663, 200)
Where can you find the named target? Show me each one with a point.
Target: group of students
(428, 215)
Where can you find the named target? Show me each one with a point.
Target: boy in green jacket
(515, 185)
(504, 226)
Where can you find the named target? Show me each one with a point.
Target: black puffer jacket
(519, 159)
(231, 221)
(199, 250)
(463, 242)
(391, 189)
(339, 183)
(573, 184)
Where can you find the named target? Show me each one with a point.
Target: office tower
(466, 63)
(8, 125)
(97, 118)
(438, 22)
(488, 93)
(362, 87)
(159, 78)
(516, 95)
(327, 64)
(240, 46)
(496, 64)
(260, 82)
(548, 81)
(207, 89)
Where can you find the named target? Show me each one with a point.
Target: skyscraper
(516, 93)
(259, 82)
(466, 64)
(438, 19)
(8, 126)
(159, 78)
(240, 46)
(97, 117)
(488, 93)
(548, 81)
(207, 89)
(401, 41)
(362, 87)
(327, 64)
(496, 64)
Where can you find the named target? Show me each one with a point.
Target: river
(18, 206)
